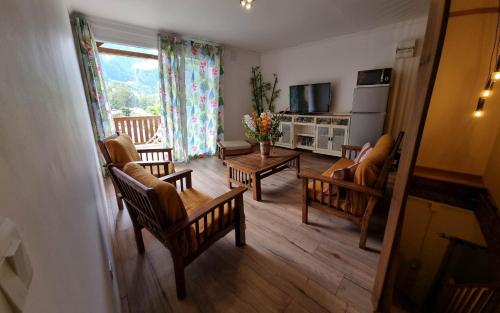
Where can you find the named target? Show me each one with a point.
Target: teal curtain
(190, 83)
(93, 82)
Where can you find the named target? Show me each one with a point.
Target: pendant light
(492, 78)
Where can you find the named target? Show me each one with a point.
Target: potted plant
(263, 92)
(263, 128)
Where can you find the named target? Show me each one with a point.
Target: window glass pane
(132, 83)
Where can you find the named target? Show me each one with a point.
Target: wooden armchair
(158, 161)
(201, 227)
(346, 199)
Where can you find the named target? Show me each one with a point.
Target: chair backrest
(141, 200)
(104, 149)
(386, 168)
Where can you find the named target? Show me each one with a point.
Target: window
(132, 79)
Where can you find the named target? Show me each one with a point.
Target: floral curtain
(192, 112)
(99, 108)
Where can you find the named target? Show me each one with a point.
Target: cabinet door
(322, 137)
(286, 139)
(339, 135)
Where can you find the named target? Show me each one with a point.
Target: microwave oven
(375, 77)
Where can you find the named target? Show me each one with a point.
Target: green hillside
(131, 83)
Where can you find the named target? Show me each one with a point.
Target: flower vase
(265, 148)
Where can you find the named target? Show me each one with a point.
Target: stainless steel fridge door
(366, 127)
(370, 99)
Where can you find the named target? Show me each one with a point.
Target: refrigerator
(369, 110)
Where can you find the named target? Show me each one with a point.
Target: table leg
(256, 187)
(298, 166)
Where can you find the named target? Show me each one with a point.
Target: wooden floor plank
(286, 266)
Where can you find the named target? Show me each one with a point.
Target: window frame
(124, 52)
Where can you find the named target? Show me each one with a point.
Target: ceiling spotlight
(247, 4)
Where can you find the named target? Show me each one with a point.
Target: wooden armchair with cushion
(185, 220)
(120, 150)
(355, 196)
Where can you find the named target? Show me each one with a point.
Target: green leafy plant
(263, 92)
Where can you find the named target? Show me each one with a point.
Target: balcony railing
(142, 129)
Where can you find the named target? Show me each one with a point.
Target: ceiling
(271, 24)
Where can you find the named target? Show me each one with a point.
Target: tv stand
(324, 134)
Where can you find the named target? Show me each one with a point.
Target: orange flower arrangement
(263, 127)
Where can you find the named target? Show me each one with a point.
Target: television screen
(314, 98)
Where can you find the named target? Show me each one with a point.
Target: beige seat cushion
(381, 151)
(122, 150)
(235, 144)
(167, 194)
(368, 172)
(194, 199)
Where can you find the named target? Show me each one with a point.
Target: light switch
(16, 272)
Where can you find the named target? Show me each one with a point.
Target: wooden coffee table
(248, 170)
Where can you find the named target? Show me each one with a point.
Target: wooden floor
(286, 266)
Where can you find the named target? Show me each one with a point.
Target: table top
(254, 162)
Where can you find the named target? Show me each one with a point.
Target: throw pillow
(362, 154)
(365, 155)
(346, 174)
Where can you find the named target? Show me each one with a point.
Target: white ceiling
(271, 24)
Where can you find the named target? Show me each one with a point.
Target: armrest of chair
(151, 163)
(348, 149)
(180, 175)
(200, 213)
(146, 150)
(308, 174)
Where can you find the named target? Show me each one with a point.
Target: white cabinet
(323, 138)
(320, 134)
(330, 139)
(287, 139)
(338, 138)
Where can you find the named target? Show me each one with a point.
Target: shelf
(306, 135)
(305, 147)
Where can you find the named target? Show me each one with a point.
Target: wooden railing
(481, 296)
(470, 298)
(142, 129)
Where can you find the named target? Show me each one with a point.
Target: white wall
(49, 183)
(338, 60)
(237, 93)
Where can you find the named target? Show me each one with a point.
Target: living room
(249, 156)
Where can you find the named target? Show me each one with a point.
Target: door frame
(429, 62)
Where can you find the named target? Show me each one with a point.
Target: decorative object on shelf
(264, 128)
(263, 91)
(247, 4)
(493, 77)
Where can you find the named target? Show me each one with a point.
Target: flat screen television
(312, 98)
